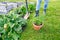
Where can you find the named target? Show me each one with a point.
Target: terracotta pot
(36, 27)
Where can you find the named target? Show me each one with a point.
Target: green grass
(51, 28)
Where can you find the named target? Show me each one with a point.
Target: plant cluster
(11, 26)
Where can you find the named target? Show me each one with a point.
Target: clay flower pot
(36, 27)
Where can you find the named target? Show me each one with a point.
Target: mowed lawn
(51, 28)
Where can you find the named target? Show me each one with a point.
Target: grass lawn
(51, 28)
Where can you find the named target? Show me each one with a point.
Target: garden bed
(13, 23)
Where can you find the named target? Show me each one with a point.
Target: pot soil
(37, 27)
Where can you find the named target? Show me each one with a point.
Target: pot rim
(38, 25)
